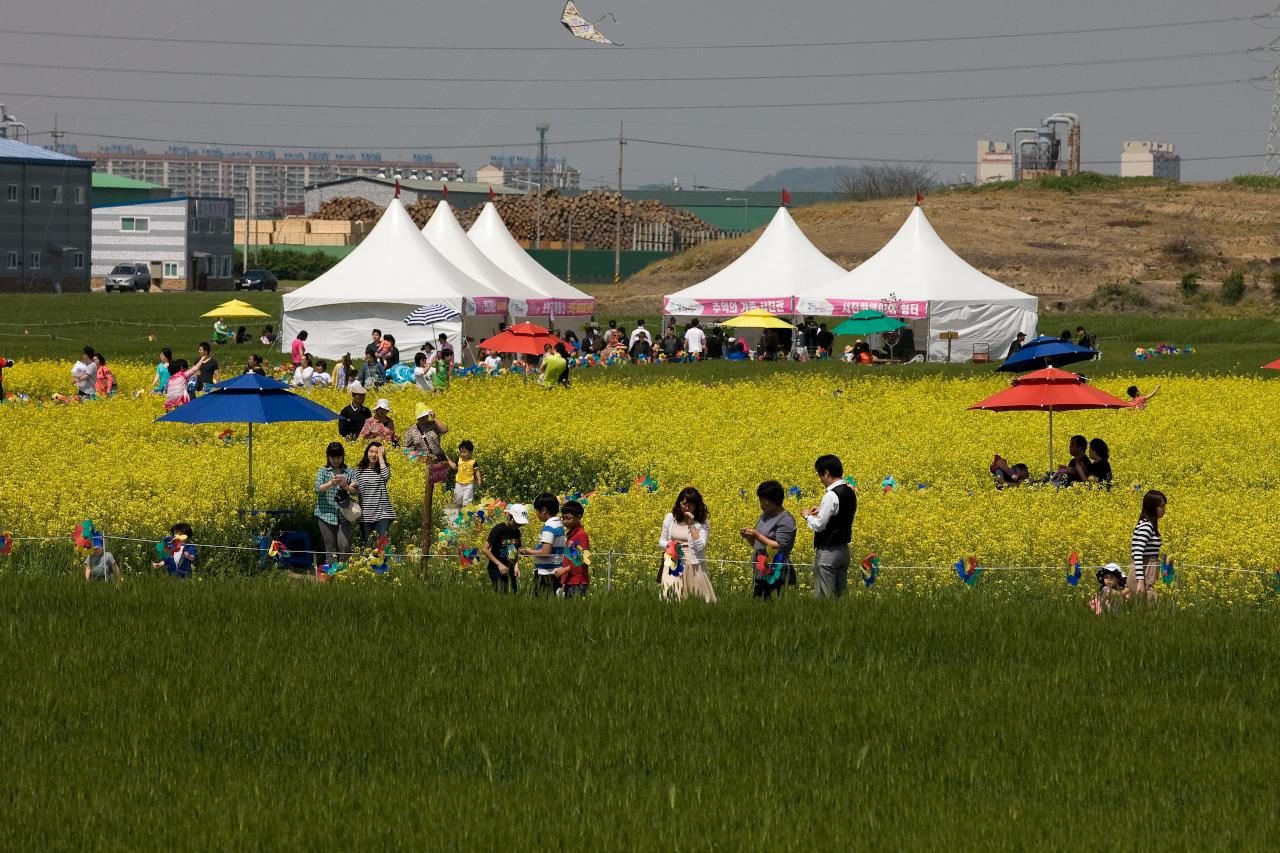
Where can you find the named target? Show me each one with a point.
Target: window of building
(78, 195)
(33, 193)
(135, 223)
(226, 226)
(33, 261)
(195, 225)
(226, 266)
(12, 194)
(170, 269)
(77, 261)
(57, 193)
(13, 260)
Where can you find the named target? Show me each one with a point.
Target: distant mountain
(818, 179)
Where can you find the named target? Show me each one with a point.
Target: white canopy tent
(443, 231)
(392, 272)
(916, 276)
(490, 235)
(781, 263)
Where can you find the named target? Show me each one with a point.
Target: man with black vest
(832, 525)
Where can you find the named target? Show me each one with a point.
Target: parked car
(256, 280)
(135, 277)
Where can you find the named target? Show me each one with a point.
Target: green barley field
(254, 713)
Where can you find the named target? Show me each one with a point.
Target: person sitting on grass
(1009, 475)
(221, 332)
(104, 382)
(304, 373)
(1098, 464)
(1112, 588)
(371, 374)
(182, 557)
(574, 576)
(100, 565)
(242, 335)
(1077, 469)
(176, 391)
(321, 378)
(268, 336)
(1140, 400)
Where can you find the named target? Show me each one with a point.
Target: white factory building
(995, 162)
(1146, 159)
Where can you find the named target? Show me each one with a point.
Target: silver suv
(134, 277)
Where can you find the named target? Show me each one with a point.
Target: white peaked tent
(918, 277)
(443, 231)
(491, 236)
(781, 263)
(392, 272)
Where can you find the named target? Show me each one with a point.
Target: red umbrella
(1050, 390)
(1275, 365)
(525, 338)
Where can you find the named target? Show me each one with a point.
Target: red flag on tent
(786, 196)
(397, 188)
(491, 193)
(919, 197)
(446, 192)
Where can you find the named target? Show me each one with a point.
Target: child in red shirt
(4, 362)
(575, 575)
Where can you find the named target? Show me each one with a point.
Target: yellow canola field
(1208, 443)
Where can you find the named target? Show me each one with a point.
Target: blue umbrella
(248, 399)
(1044, 351)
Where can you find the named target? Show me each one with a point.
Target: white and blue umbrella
(430, 314)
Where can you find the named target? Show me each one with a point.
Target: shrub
(1275, 284)
(290, 263)
(1257, 182)
(1119, 296)
(1190, 285)
(1232, 288)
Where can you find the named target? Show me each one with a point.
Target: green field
(276, 715)
(120, 325)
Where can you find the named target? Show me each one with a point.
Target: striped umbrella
(428, 314)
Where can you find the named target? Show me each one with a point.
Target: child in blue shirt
(182, 557)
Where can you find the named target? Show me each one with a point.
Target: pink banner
(487, 305)
(561, 307)
(726, 307)
(848, 307)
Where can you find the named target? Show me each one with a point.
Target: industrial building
(276, 183)
(380, 190)
(186, 242)
(995, 162)
(522, 173)
(1146, 159)
(44, 219)
(1052, 149)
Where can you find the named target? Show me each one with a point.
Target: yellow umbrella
(757, 318)
(231, 302)
(242, 310)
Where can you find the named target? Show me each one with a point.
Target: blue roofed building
(44, 220)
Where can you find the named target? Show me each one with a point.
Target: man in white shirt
(84, 372)
(636, 332)
(695, 340)
(832, 525)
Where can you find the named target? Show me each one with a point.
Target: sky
(551, 77)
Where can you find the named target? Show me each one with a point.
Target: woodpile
(593, 215)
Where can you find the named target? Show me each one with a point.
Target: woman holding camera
(333, 483)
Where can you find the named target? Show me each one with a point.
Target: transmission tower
(1272, 166)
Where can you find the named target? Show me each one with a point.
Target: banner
(725, 307)
(849, 307)
(561, 307)
(486, 306)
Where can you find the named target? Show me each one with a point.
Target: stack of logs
(593, 215)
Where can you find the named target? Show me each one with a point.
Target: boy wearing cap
(503, 548)
(548, 558)
(100, 565)
(351, 419)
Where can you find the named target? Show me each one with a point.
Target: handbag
(349, 509)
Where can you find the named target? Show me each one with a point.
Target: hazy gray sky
(1202, 122)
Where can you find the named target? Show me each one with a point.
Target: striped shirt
(375, 505)
(1145, 547)
(553, 533)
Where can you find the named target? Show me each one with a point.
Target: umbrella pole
(251, 466)
(1051, 441)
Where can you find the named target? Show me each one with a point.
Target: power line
(998, 96)
(184, 72)
(313, 147)
(743, 46)
(842, 158)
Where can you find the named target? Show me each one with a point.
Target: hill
(815, 179)
(1058, 240)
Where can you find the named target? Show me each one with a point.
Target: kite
(970, 574)
(467, 556)
(870, 569)
(278, 551)
(1073, 569)
(888, 484)
(1166, 570)
(6, 544)
(769, 565)
(673, 559)
(795, 492)
(83, 537)
(581, 28)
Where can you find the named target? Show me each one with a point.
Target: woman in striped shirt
(1145, 545)
(372, 475)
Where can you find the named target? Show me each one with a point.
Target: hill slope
(1057, 245)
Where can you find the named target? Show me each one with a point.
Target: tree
(888, 180)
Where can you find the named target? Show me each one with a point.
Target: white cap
(518, 512)
(356, 388)
(384, 404)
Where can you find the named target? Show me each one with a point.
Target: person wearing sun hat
(502, 547)
(380, 426)
(423, 438)
(352, 418)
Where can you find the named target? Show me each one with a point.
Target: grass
(153, 715)
(57, 327)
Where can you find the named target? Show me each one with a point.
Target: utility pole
(244, 260)
(542, 171)
(56, 135)
(617, 227)
(1272, 166)
(568, 259)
